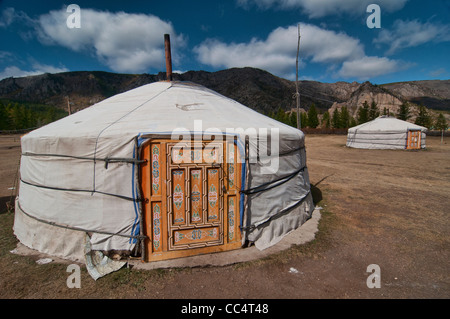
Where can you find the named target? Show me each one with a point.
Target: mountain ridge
(255, 88)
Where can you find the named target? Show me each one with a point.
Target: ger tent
(387, 133)
(165, 170)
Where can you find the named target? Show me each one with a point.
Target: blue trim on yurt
(135, 230)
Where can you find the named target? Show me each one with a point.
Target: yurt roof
(161, 107)
(387, 124)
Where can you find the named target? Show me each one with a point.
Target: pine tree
(404, 112)
(313, 120)
(326, 120)
(441, 125)
(293, 119)
(280, 115)
(344, 117)
(5, 120)
(336, 119)
(363, 113)
(423, 119)
(23, 115)
(373, 111)
(16, 115)
(304, 119)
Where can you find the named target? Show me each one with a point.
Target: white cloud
(219, 54)
(277, 53)
(437, 73)
(7, 17)
(369, 66)
(341, 54)
(23, 24)
(405, 34)
(37, 68)
(10, 16)
(4, 55)
(125, 42)
(321, 8)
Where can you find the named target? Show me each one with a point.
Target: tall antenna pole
(297, 94)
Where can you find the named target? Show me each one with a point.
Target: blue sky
(412, 43)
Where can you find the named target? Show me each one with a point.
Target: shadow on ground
(6, 202)
(316, 194)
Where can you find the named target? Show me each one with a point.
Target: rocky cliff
(368, 92)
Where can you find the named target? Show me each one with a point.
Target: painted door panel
(192, 194)
(414, 140)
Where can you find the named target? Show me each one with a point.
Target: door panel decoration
(193, 198)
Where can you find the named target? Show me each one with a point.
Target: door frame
(412, 144)
(154, 189)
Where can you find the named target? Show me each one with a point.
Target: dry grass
(384, 207)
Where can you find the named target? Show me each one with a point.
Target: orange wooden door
(414, 140)
(192, 194)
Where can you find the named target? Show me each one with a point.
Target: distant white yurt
(387, 133)
(166, 170)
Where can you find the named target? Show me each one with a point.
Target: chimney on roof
(168, 57)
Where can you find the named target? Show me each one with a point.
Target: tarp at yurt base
(81, 191)
(387, 133)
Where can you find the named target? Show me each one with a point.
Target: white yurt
(166, 170)
(387, 132)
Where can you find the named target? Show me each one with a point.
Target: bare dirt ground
(382, 207)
